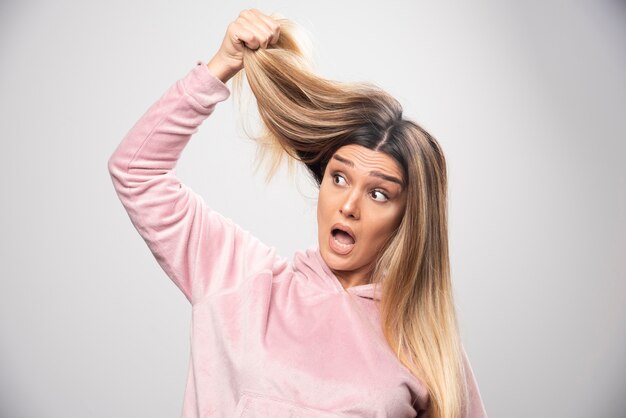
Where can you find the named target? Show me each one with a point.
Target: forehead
(367, 159)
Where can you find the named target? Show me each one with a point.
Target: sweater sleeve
(476, 408)
(200, 250)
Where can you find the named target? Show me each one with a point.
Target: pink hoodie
(269, 337)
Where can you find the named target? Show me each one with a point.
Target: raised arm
(199, 249)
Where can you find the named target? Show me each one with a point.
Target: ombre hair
(306, 118)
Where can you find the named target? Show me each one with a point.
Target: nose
(350, 206)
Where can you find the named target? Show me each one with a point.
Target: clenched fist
(252, 29)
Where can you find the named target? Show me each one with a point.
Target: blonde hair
(306, 118)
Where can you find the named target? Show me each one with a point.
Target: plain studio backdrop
(528, 100)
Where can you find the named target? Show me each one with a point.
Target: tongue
(343, 237)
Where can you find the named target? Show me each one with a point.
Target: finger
(271, 24)
(245, 37)
(260, 30)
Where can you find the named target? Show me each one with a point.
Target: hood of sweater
(311, 264)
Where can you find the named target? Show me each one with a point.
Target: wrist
(220, 69)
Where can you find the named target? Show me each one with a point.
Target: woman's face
(360, 192)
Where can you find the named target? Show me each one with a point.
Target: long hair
(306, 118)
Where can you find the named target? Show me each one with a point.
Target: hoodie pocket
(257, 405)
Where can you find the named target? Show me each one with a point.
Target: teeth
(341, 244)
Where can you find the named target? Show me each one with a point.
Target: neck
(351, 278)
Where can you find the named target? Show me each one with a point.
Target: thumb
(238, 43)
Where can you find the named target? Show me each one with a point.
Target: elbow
(111, 164)
(115, 167)
(116, 160)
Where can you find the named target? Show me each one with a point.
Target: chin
(336, 261)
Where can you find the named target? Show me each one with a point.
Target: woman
(361, 325)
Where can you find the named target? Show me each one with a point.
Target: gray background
(527, 98)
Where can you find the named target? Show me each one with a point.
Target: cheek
(382, 226)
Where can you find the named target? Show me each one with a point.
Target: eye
(336, 176)
(381, 193)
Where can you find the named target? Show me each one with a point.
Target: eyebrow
(371, 173)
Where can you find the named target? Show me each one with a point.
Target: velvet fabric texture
(269, 336)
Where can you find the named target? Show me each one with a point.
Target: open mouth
(341, 241)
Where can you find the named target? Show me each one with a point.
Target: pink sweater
(270, 337)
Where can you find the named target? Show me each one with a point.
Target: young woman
(361, 325)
